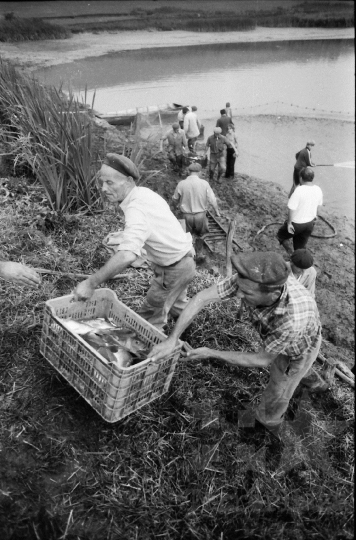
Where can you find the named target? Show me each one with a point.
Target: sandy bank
(52, 52)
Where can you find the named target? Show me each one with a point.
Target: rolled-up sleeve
(227, 288)
(176, 194)
(135, 233)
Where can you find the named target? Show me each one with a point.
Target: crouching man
(285, 316)
(149, 224)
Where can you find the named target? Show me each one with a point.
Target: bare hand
(199, 354)
(162, 350)
(83, 291)
(290, 228)
(19, 273)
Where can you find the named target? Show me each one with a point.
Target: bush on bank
(17, 29)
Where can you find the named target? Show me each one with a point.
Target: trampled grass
(181, 467)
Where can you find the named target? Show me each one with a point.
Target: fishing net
(151, 126)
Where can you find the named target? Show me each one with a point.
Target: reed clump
(14, 28)
(49, 135)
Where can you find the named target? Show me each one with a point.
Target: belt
(189, 254)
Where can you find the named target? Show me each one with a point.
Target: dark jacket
(216, 144)
(303, 159)
(223, 122)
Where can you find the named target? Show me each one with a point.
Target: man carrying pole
(303, 158)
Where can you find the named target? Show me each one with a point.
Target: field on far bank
(167, 16)
(68, 8)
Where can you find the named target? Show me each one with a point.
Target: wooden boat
(127, 116)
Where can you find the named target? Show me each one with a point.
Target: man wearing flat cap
(304, 159)
(177, 143)
(285, 316)
(194, 195)
(149, 224)
(217, 144)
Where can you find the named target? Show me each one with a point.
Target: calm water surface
(303, 75)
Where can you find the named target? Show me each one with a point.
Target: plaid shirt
(291, 326)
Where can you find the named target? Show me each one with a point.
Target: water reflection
(305, 72)
(312, 74)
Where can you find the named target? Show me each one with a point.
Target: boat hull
(127, 116)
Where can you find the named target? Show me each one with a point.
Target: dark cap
(302, 258)
(122, 164)
(265, 267)
(194, 167)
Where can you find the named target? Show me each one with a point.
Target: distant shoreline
(33, 55)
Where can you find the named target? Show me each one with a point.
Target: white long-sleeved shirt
(150, 224)
(191, 125)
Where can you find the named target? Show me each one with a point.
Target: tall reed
(50, 134)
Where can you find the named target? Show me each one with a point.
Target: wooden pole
(229, 238)
(73, 274)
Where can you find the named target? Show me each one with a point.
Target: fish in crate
(117, 344)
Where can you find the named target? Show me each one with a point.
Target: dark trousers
(191, 143)
(296, 181)
(302, 232)
(196, 223)
(230, 163)
(176, 160)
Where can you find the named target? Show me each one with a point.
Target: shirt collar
(279, 307)
(128, 198)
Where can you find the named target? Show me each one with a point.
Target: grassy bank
(15, 29)
(178, 468)
(181, 467)
(164, 16)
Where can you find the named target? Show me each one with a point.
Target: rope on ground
(313, 235)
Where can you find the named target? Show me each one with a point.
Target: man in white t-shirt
(302, 213)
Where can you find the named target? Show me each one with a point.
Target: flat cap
(264, 267)
(217, 130)
(175, 125)
(122, 164)
(311, 142)
(194, 167)
(302, 258)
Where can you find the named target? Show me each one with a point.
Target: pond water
(281, 94)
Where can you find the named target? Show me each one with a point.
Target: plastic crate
(112, 391)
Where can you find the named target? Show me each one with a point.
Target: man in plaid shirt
(286, 317)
